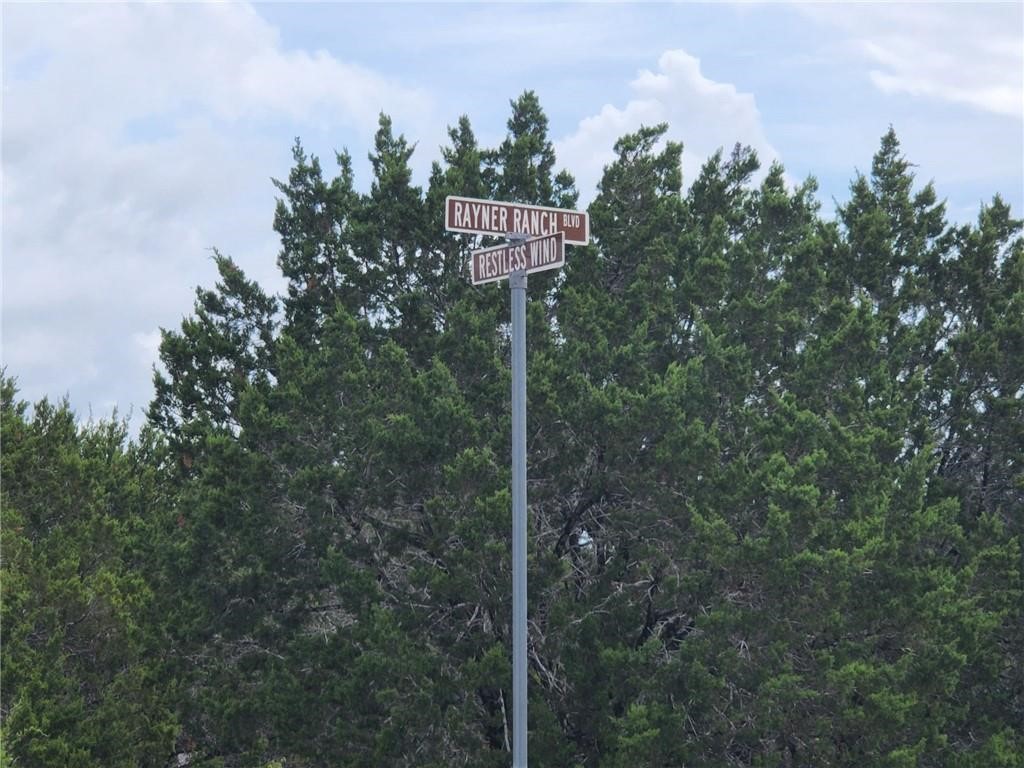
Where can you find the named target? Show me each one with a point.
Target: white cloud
(913, 69)
(135, 138)
(965, 53)
(704, 114)
(219, 58)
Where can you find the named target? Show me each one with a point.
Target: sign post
(517, 282)
(535, 241)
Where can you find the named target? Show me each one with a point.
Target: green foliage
(82, 673)
(775, 485)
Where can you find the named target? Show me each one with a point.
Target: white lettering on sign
(536, 222)
(500, 262)
(481, 216)
(544, 252)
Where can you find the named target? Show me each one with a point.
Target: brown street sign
(534, 255)
(489, 217)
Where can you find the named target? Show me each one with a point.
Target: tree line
(776, 492)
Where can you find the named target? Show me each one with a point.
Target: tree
(319, 224)
(520, 169)
(218, 354)
(83, 679)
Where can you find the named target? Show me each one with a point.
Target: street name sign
(490, 217)
(535, 255)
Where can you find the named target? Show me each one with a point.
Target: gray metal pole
(518, 282)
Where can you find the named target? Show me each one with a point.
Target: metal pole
(517, 281)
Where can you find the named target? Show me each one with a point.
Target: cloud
(219, 59)
(702, 113)
(912, 68)
(961, 53)
(136, 137)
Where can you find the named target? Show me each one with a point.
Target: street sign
(489, 217)
(535, 255)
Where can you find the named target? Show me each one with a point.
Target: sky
(138, 137)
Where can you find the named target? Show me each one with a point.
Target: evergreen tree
(392, 229)
(218, 354)
(318, 223)
(775, 486)
(521, 169)
(83, 680)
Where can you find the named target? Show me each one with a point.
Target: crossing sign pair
(536, 235)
